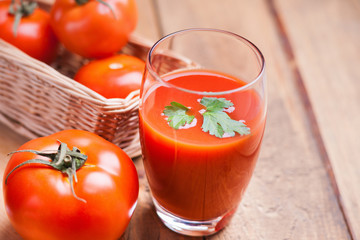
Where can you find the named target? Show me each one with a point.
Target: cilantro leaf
(177, 116)
(215, 104)
(217, 122)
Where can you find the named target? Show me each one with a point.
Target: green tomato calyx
(64, 160)
(24, 9)
(82, 2)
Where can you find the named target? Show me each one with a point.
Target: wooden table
(306, 183)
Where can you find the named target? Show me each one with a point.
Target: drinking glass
(202, 116)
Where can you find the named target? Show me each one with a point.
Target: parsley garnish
(177, 116)
(217, 122)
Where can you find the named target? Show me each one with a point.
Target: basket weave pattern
(37, 99)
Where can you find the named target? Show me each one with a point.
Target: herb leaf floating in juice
(177, 116)
(217, 122)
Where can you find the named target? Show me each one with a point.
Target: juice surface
(191, 173)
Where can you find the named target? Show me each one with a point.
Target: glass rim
(149, 66)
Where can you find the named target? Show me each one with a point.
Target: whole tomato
(112, 77)
(88, 191)
(33, 35)
(92, 28)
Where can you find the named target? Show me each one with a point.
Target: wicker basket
(37, 99)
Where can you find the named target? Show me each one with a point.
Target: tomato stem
(109, 6)
(19, 11)
(82, 2)
(64, 160)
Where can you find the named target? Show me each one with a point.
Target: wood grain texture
(9, 141)
(326, 40)
(147, 26)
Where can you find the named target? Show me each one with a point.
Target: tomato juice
(192, 174)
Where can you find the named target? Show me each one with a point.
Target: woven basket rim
(17, 56)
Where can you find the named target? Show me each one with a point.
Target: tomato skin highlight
(34, 35)
(91, 30)
(112, 77)
(38, 198)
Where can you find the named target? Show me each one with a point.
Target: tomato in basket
(32, 33)
(112, 77)
(94, 29)
(70, 185)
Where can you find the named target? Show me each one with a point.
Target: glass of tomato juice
(202, 116)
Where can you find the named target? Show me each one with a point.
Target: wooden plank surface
(291, 195)
(8, 142)
(325, 37)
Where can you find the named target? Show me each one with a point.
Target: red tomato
(41, 205)
(113, 77)
(34, 34)
(94, 29)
